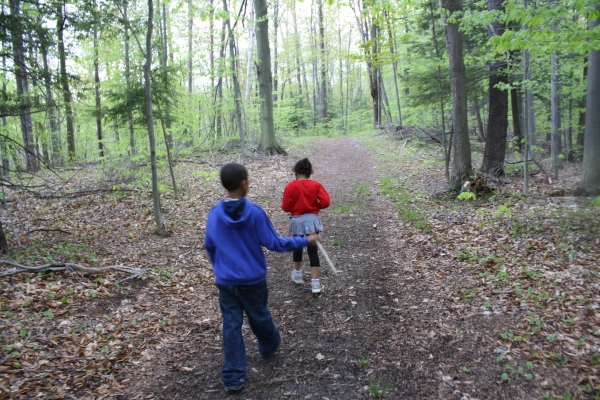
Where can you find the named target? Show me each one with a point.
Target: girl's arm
(323, 199)
(286, 203)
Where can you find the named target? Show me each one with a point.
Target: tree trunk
(164, 64)
(441, 94)
(51, 111)
(590, 180)
(275, 71)
(97, 95)
(323, 114)
(23, 90)
(127, 80)
(495, 144)
(64, 80)
(190, 33)
(268, 141)
(555, 144)
(581, 122)
(516, 116)
(394, 66)
(160, 228)
(252, 29)
(236, 85)
(461, 168)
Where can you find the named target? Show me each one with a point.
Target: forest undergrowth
(528, 265)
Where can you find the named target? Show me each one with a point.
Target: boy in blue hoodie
(236, 231)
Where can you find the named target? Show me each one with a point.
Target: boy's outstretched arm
(269, 238)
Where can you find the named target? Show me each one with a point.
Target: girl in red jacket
(304, 198)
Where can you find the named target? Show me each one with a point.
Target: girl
(304, 198)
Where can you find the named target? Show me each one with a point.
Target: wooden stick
(335, 271)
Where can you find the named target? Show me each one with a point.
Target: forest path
(379, 326)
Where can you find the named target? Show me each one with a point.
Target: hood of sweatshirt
(234, 213)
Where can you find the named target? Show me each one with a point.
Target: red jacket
(304, 196)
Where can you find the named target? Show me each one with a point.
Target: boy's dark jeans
(234, 301)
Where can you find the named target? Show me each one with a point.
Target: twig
(502, 291)
(69, 267)
(47, 230)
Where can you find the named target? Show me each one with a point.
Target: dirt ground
(494, 299)
(378, 324)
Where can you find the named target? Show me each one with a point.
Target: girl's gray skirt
(305, 224)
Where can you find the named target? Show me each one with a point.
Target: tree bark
(268, 141)
(51, 111)
(495, 144)
(555, 142)
(236, 85)
(590, 180)
(97, 95)
(462, 167)
(252, 29)
(64, 80)
(323, 112)
(127, 80)
(516, 116)
(275, 66)
(581, 122)
(160, 228)
(23, 90)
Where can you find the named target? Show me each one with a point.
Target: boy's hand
(313, 238)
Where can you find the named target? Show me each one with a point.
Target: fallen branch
(19, 268)
(47, 230)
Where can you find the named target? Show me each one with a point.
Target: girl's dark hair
(303, 167)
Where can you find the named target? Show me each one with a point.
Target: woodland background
(115, 117)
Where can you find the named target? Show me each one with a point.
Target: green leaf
(467, 196)
(596, 202)
(504, 376)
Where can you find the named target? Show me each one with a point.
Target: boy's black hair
(232, 175)
(303, 167)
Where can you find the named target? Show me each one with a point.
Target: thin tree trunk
(590, 180)
(275, 66)
(394, 66)
(441, 94)
(169, 159)
(190, 33)
(462, 167)
(516, 116)
(64, 80)
(236, 85)
(555, 144)
(252, 29)
(581, 121)
(268, 141)
(127, 80)
(323, 112)
(480, 128)
(97, 96)
(160, 228)
(23, 90)
(51, 110)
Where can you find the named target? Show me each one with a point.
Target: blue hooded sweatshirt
(235, 232)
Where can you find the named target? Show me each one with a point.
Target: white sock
(298, 272)
(315, 280)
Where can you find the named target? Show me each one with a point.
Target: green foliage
(378, 390)
(596, 202)
(467, 196)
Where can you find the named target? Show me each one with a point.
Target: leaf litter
(438, 298)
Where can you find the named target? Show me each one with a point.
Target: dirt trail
(373, 328)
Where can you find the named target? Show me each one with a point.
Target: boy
(235, 231)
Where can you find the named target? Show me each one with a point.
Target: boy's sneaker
(316, 287)
(234, 388)
(297, 278)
